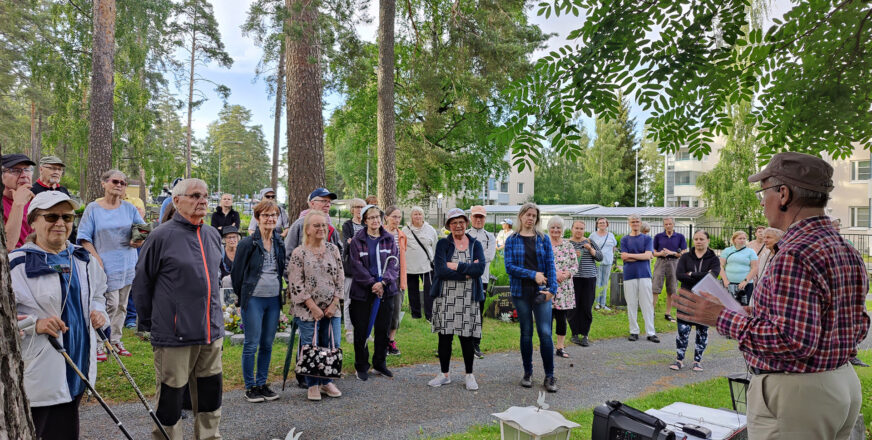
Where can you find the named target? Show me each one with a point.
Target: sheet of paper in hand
(711, 285)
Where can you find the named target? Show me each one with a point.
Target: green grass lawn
(414, 338)
(714, 393)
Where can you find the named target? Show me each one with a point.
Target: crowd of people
(363, 272)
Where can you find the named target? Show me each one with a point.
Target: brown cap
(798, 169)
(477, 210)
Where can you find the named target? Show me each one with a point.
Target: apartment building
(852, 196)
(682, 170)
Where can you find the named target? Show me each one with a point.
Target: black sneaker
(669, 318)
(383, 370)
(857, 362)
(550, 384)
(654, 339)
(527, 381)
(393, 350)
(584, 342)
(362, 375)
(574, 339)
(253, 395)
(477, 352)
(633, 337)
(267, 393)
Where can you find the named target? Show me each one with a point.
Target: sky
(252, 93)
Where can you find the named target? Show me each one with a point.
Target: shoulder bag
(426, 252)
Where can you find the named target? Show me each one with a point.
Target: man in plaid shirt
(809, 312)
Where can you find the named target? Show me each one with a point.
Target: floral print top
(566, 259)
(317, 275)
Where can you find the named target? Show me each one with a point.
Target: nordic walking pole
(57, 346)
(111, 349)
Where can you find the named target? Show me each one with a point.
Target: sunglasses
(117, 182)
(53, 218)
(270, 197)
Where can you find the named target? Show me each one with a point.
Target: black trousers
(467, 346)
(481, 315)
(59, 421)
(585, 293)
(560, 318)
(415, 295)
(360, 311)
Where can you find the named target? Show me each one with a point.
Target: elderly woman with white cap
(458, 290)
(60, 286)
(504, 233)
(375, 271)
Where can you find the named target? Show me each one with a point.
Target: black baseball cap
(10, 160)
(227, 230)
(322, 192)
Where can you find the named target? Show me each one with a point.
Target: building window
(859, 216)
(860, 170)
(683, 155)
(504, 187)
(491, 184)
(685, 177)
(520, 187)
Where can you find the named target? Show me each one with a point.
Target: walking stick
(57, 346)
(290, 353)
(111, 349)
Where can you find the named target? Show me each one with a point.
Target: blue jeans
(307, 330)
(603, 272)
(527, 309)
(260, 319)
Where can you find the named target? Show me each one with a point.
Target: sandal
(561, 353)
(697, 367)
(677, 365)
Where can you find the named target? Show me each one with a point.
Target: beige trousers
(116, 308)
(197, 366)
(813, 406)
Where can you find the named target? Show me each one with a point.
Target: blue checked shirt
(514, 257)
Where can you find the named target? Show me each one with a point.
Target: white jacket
(45, 378)
(418, 258)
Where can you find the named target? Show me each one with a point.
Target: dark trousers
(467, 345)
(560, 319)
(481, 315)
(585, 293)
(742, 295)
(360, 311)
(59, 421)
(415, 294)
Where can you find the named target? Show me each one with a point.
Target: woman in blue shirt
(533, 282)
(740, 267)
(104, 231)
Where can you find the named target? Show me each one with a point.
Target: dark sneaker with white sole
(253, 395)
(527, 381)
(550, 384)
(654, 339)
(383, 370)
(267, 393)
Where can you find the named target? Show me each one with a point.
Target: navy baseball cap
(10, 160)
(322, 192)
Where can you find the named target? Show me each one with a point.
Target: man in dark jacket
(177, 295)
(225, 215)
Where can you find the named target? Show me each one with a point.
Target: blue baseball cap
(322, 192)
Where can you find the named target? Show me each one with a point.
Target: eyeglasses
(53, 168)
(19, 171)
(373, 217)
(53, 218)
(327, 201)
(269, 215)
(270, 197)
(117, 182)
(197, 196)
(760, 191)
(357, 207)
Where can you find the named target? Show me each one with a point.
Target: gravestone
(616, 289)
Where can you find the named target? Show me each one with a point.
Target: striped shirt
(809, 307)
(586, 261)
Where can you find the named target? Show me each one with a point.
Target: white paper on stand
(711, 285)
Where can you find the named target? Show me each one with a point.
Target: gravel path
(405, 407)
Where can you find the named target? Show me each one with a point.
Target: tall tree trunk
(190, 105)
(34, 132)
(277, 131)
(102, 95)
(142, 187)
(15, 420)
(305, 122)
(387, 144)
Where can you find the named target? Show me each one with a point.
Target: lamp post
(219, 160)
(439, 208)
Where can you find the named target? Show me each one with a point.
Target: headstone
(502, 304)
(616, 289)
(237, 339)
(859, 431)
(282, 337)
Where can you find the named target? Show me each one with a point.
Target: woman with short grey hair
(421, 242)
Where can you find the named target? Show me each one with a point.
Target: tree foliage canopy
(686, 62)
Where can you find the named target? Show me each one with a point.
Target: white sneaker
(440, 380)
(606, 309)
(471, 384)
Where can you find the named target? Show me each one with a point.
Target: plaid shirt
(514, 255)
(809, 307)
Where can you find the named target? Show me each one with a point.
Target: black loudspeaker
(616, 421)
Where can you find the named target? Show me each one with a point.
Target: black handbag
(323, 362)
